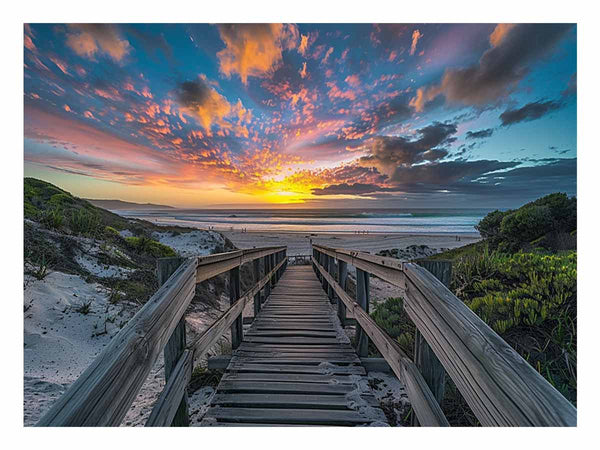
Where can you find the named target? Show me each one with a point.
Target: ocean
(417, 221)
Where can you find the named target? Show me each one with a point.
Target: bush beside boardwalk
(522, 281)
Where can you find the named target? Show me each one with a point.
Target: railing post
(362, 298)
(272, 265)
(237, 329)
(176, 343)
(325, 263)
(256, 270)
(342, 276)
(331, 271)
(267, 289)
(429, 365)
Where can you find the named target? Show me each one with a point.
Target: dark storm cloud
(347, 189)
(529, 112)
(389, 152)
(192, 94)
(500, 68)
(480, 134)
(444, 174)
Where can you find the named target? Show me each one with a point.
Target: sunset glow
(341, 115)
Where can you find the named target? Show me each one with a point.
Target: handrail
(501, 388)
(426, 407)
(165, 408)
(104, 392)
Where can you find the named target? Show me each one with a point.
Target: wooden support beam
(331, 270)
(425, 359)
(376, 365)
(256, 270)
(165, 267)
(429, 365)
(237, 329)
(219, 362)
(342, 277)
(267, 264)
(362, 298)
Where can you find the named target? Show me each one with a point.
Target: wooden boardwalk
(292, 367)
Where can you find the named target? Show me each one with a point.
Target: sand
(299, 243)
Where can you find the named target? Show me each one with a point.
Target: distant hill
(121, 205)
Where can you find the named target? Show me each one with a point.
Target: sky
(306, 115)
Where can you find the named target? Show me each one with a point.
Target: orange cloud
(60, 64)
(352, 80)
(415, 39)
(303, 70)
(500, 32)
(254, 50)
(303, 45)
(89, 39)
(329, 52)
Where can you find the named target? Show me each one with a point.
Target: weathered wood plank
(427, 409)
(288, 401)
(237, 328)
(166, 407)
(269, 367)
(102, 395)
(288, 377)
(276, 415)
(362, 298)
(165, 267)
(499, 385)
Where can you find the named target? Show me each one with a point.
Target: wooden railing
(500, 387)
(104, 392)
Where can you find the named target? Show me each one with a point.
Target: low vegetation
(521, 279)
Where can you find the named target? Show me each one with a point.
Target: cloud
(303, 70)
(415, 40)
(500, 33)
(91, 38)
(499, 69)
(480, 134)
(202, 101)
(443, 175)
(254, 50)
(529, 112)
(347, 189)
(389, 153)
(303, 44)
(327, 54)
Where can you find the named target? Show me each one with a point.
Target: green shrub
(542, 223)
(489, 226)
(61, 200)
(144, 245)
(52, 218)
(524, 226)
(391, 316)
(530, 300)
(84, 222)
(111, 232)
(30, 211)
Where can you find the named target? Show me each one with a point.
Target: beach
(298, 243)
